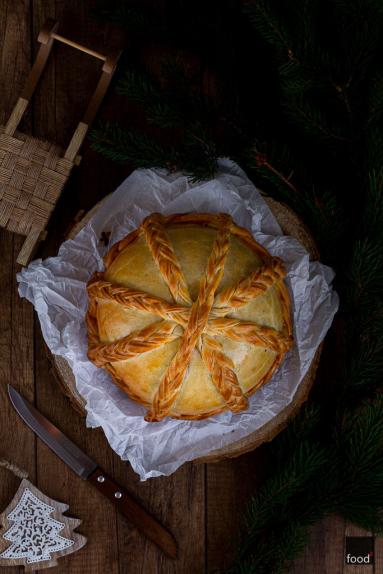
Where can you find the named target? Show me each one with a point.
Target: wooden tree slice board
(291, 225)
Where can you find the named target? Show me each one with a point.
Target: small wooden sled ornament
(34, 532)
(33, 172)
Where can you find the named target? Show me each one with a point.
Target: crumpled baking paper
(57, 289)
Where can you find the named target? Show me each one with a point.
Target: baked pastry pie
(191, 315)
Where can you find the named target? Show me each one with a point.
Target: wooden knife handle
(134, 512)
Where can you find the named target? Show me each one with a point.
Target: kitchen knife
(87, 469)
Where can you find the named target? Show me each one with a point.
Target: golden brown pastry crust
(197, 323)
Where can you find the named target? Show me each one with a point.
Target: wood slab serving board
(291, 225)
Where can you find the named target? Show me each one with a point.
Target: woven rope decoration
(33, 172)
(196, 323)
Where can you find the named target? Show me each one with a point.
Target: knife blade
(88, 469)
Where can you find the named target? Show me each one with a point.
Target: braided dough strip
(92, 323)
(232, 328)
(165, 258)
(250, 332)
(249, 288)
(136, 343)
(134, 299)
(171, 382)
(120, 246)
(285, 300)
(222, 374)
(179, 314)
(212, 220)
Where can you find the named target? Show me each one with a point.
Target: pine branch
(319, 211)
(362, 442)
(264, 508)
(138, 88)
(374, 145)
(326, 219)
(311, 120)
(199, 154)
(271, 557)
(363, 374)
(174, 73)
(373, 214)
(366, 271)
(361, 461)
(304, 425)
(165, 116)
(357, 9)
(135, 19)
(355, 491)
(269, 27)
(128, 146)
(294, 79)
(376, 99)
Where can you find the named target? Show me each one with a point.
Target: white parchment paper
(57, 289)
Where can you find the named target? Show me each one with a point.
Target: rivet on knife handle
(134, 512)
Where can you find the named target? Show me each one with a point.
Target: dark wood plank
(324, 553)
(58, 106)
(14, 52)
(16, 318)
(16, 368)
(178, 501)
(8, 419)
(56, 480)
(134, 512)
(61, 99)
(22, 364)
(62, 95)
(70, 76)
(378, 566)
(229, 484)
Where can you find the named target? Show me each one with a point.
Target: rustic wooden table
(201, 504)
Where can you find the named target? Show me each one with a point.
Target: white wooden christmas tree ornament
(34, 532)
